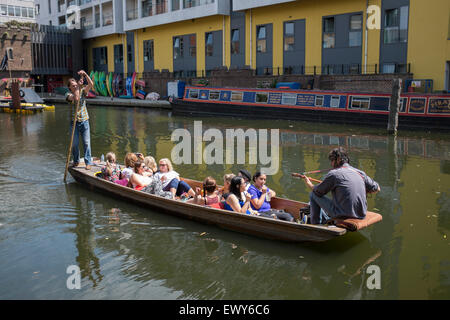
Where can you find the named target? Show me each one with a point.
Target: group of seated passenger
(142, 173)
(237, 194)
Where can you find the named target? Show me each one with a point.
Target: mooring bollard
(394, 106)
(15, 94)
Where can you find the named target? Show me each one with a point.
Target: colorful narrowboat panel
(417, 105)
(437, 106)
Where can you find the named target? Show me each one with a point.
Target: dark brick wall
(19, 39)
(245, 78)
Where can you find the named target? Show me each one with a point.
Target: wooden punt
(247, 224)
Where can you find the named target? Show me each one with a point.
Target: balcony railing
(195, 3)
(87, 25)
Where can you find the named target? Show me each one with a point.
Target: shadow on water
(205, 262)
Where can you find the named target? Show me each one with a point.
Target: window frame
(326, 35)
(290, 46)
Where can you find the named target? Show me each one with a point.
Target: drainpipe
(251, 44)
(223, 41)
(365, 44)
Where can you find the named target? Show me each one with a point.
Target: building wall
(163, 35)
(23, 17)
(428, 40)
(427, 49)
(20, 41)
(106, 41)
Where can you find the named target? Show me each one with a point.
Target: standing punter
(348, 187)
(77, 94)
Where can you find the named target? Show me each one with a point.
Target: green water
(128, 252)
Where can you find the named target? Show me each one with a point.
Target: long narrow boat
(417, 111)
(248, 224)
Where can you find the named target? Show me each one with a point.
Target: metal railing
(334, 69)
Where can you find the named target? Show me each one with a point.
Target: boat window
(360, 103)
(214, 95)
(193, 93)
(319, 101)
(403, 102)
(335, 101)
(262, 97)
(236, 95)
(289, 98)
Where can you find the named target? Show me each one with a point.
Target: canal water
(128, 252)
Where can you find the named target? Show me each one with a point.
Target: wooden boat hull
(252, 225)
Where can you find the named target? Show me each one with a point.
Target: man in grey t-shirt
(348, 187)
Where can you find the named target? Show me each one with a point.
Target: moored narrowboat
(417, 111)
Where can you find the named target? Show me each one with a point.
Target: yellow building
(193, 37)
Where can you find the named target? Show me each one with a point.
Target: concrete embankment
(113, 102)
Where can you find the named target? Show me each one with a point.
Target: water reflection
(125, 251)
(204, 262)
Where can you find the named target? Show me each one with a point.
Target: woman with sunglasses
(171, 179)
(138, 180)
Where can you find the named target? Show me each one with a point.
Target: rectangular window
(354, 36)
(177, 47)
(129, 53)
(391, 26)
(289, 36)
(118, 53)
(236, 96)
(396, 25)
(329, 34)
(192, 45)
(388, 68)
(103, 55)
(360, 103)
(97, 19)
(30, 12)
(49, 6)
(262, 97)
(148, 50)
(261, 39)
(235, 41)
(24, 12)
(335, 101)
(147, 8)
(175, 5)
(209, 44)
(193, 93)
(214, 95)
(3, 10)
(11, 11)
(319, 101)
(404, 16)
(289, 98)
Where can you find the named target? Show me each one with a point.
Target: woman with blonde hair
(150, 163)
(171, 179)
(111, 171)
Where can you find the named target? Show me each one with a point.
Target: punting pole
(71, 138)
